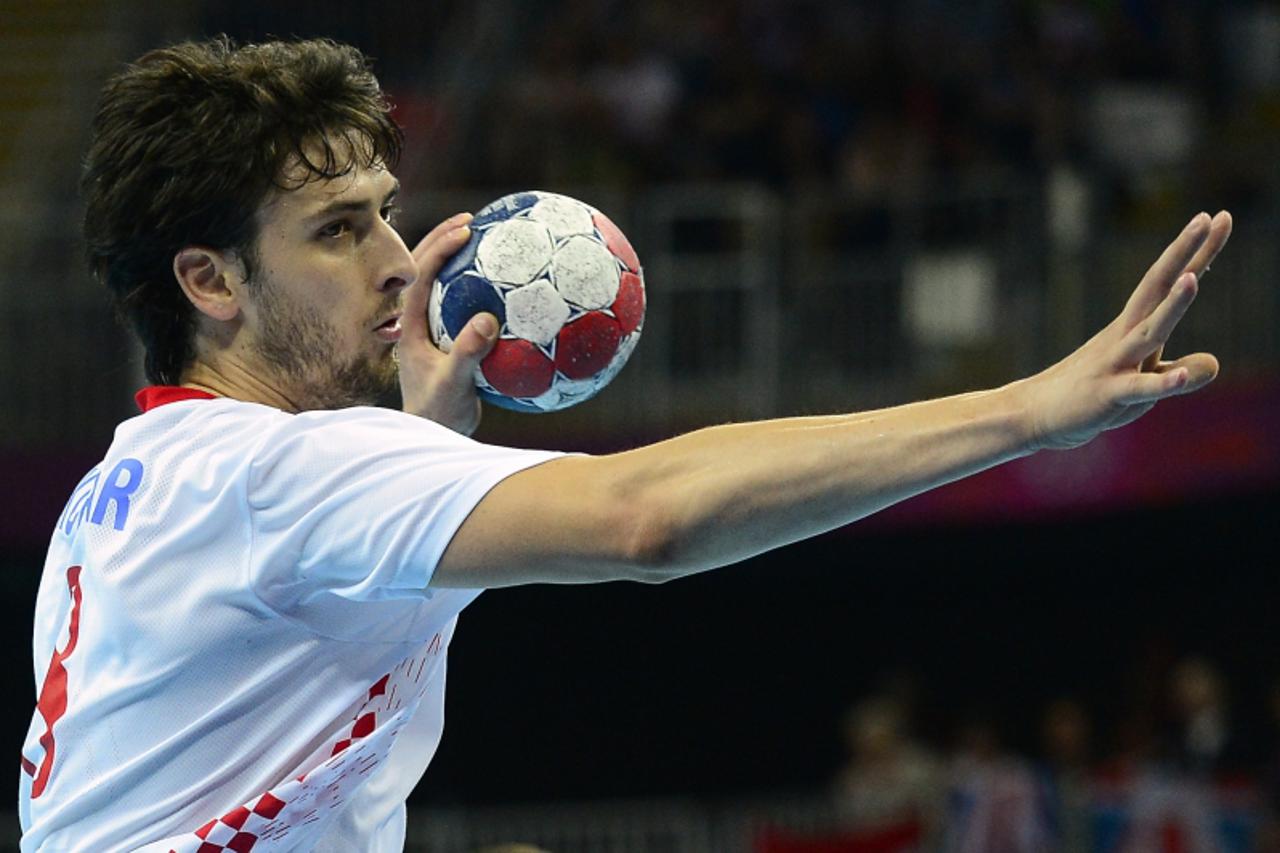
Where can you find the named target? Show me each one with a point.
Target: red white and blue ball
(567, 289)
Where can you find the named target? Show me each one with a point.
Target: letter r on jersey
(122, 482)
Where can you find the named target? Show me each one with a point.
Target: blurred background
(839, 206)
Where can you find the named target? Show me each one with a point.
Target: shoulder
(257, 427)
(357, 431)
(372, 418)
(361, 445)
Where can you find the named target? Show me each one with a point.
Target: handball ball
(567, 289)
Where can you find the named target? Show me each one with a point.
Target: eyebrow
(335, 207)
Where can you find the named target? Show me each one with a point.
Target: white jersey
(235, 643)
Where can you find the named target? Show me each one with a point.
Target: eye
(335, 229)
(390, 213)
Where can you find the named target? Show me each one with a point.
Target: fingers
(1155, 285)
(1201, 368)
(474, 342)
(1187, 374)
(439, 232)
(1219, 233)
(455, 378)
(1139, 388)
(430, 255)
(1144, 342)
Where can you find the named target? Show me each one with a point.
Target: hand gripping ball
(567, 289)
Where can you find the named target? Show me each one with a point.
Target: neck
(236, 381)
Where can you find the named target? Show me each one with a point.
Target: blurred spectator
(890, 781)
(638, 90)
(1203, 742)
(993, 803)
(1188, 794)
(1157, 811)
(1066, 775)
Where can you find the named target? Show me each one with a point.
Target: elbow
(650, 543)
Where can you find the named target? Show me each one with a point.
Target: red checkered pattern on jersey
(238, 829)
(366, 721)
(308, 797)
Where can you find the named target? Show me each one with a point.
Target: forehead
(304, 194)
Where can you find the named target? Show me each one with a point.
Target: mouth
(389, 329)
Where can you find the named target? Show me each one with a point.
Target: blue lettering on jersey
(117, 489)
(123, 481)
(81, 503)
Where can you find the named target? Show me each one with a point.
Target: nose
(397, 269)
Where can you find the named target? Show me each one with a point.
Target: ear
(211, 280)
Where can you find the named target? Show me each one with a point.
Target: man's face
(324, 297)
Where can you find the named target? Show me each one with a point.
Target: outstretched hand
(434, 384)
(1120, 373)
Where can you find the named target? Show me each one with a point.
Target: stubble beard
(297, 346)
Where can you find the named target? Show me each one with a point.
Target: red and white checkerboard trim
(294, 807)
(233, 831)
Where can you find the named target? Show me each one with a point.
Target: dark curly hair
(187, 144)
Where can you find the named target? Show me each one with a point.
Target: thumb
(474, 342)
(1201, 367)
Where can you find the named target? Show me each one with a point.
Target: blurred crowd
(871, 99)
(868, 98)
(1186, 776)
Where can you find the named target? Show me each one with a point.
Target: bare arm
(722, 494)
(718, 495)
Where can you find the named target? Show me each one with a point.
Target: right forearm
(727, 493)
(722, 494)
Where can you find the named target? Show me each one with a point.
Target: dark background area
(736, 682)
